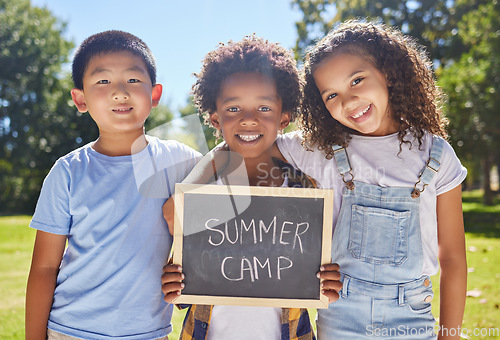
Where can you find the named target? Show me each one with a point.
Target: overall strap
(343, 165)
(431, 167)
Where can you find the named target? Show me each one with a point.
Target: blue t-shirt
(109, 283)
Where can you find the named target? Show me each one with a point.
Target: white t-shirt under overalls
(385, 237)
(376, 160)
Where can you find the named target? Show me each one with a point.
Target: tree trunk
(497, 163)
(488, 194)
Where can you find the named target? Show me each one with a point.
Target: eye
(133, 81)
(357, 81)
(233, 109)
(265, 109)
(331, 96)
(103, 81)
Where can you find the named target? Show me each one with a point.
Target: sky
(178, 32)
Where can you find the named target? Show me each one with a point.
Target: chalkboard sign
(254, 246)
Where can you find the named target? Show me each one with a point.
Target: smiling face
(249, 115)
(355, 93)
(117, 92)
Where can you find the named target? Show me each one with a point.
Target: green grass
(482, 226)
(16, 245)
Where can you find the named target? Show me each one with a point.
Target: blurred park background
(38, 122)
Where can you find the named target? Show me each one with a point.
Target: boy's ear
(214, 119)
(156, 94)
(79, 100)
(285, 120)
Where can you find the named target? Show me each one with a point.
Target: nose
(249, 118)
(120, 93)
(350, 102)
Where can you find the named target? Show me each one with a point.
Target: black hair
(250, 55)
(108, 42)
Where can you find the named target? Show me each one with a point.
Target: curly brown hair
(253, 55)
(414, 99)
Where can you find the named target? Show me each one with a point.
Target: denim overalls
(377, 243)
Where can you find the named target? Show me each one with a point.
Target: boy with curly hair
(248, 90)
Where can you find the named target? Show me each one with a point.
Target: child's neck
(120, 144)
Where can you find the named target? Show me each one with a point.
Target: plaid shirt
(295, 323)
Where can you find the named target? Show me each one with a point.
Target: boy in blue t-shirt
(104, 200)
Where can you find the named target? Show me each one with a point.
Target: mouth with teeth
(123, 110)
(360, 114)
(249, 138)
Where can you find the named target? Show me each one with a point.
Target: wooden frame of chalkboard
(252, 246)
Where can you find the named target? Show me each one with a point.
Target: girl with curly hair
(372, 129)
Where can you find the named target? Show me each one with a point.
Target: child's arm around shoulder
(276, 152)
(452, 260)
(47, 254)
(292, 148)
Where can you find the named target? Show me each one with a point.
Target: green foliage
(473, 84)
(37, 122)
(158, 116)
(433, 23)
(208, 137)
(462, 37)
(188, 128)
(429, 21)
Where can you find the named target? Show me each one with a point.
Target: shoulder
(172, 146)
(77, 153)
(295, 136)
(451, 172)
(73, 159)
(439, 143)
(292, 140)
(296, 178)
(291, 145)
(432, 146)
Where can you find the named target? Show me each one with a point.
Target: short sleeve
(290, 146)
(311, 162)
(451, 172)
(175, 160)
(52, 213)
(186, 159)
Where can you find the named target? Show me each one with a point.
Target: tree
(208, 138)
(451, 32)
(38, 122)
(427, 20)
(432, 22)
(473, 87)
(188, 128)
(158, 116)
